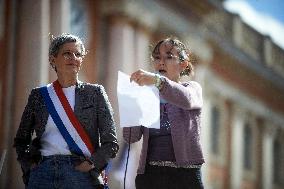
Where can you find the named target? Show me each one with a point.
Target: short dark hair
(57, 42)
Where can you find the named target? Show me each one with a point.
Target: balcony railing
(259, 47)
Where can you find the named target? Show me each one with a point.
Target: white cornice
(153, 14)
(132, 9)
(158, 17)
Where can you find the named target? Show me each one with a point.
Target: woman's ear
(52, 60)
(184, 64)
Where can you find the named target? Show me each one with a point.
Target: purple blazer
(184, 113)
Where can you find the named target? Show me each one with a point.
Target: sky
(266, 16)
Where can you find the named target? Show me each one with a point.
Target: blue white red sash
(65, 120)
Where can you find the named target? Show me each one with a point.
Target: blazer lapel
(83, 101)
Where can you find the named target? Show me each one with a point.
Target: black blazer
(94, 112)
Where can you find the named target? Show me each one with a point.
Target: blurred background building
(240, 70)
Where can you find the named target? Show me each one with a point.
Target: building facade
(240, 70)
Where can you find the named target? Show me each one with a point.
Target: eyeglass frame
(68, 55)
(156, 61)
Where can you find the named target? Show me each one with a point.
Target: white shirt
(52, 141)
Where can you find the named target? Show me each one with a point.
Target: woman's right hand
(33, 165)
(142, 77)
(85, 166)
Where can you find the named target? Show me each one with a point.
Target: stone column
(201, 73)
(7, 80)
(267, 153)
(31, 68)
(142, 51)
(205, 138)
(127, 39)
(237, 148)
(121, 56)
(59, 16)
(59, 23)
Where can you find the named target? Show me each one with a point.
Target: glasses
(72, 56)
(167, 59)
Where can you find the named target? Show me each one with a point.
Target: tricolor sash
(66, 121)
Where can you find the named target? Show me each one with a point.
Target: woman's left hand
(85, 166)
(142, 77)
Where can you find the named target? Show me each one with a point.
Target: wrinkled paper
(138, 105)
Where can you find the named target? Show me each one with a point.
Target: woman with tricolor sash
(67, 134)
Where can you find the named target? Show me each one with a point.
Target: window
(247, 153)
(78, 19)
(277, 162)
(215, 130)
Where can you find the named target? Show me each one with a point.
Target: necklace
(164, 120)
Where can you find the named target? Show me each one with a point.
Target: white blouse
(52, 141)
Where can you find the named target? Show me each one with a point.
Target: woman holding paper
(72, 122)
(171, 157)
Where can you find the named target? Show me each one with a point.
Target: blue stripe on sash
(73, 147)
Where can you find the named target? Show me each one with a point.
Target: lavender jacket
(184, 113)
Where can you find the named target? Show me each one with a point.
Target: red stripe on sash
(72, 117)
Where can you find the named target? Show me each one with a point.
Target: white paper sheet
(138, 105)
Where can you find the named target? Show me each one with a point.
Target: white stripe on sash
(66, 121)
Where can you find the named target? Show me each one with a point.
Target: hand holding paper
(138, 105)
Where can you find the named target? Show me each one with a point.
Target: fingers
(84, 166)
(136, 76)
(142, 77)
(137, 79)
(132, 78)
(33, 165)
(140, 82)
